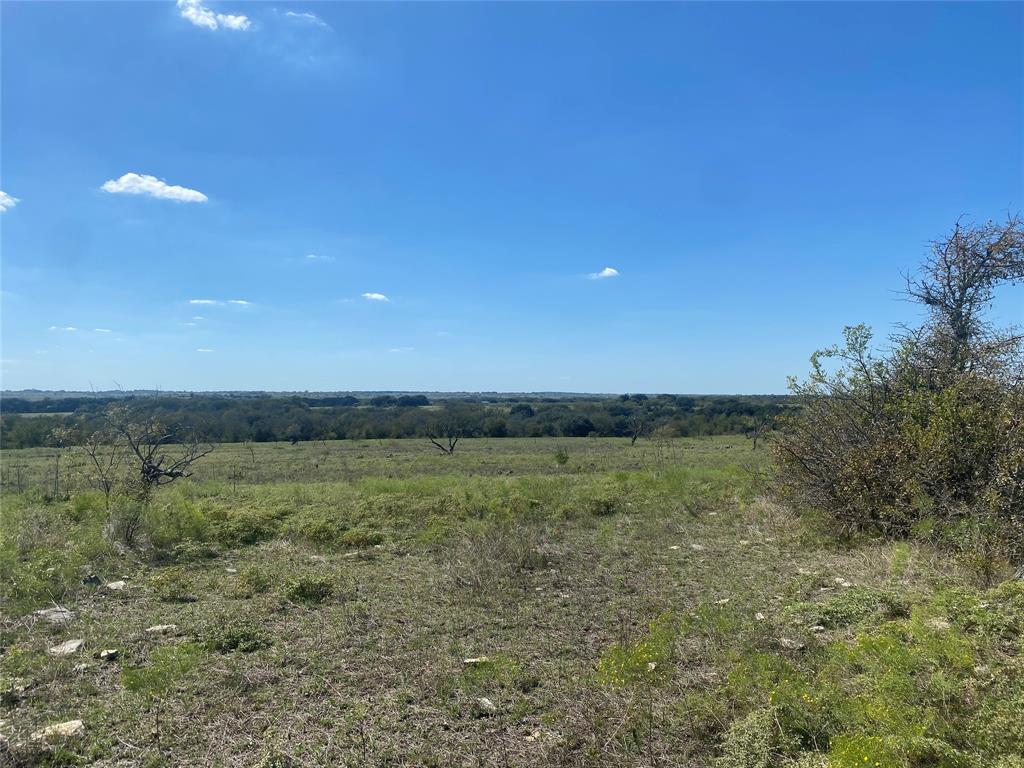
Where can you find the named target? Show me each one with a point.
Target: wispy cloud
(375, 297)
(7, 202)
(101, 330)
(198, 317)
(201, 16)
(305, 17)
(141, 184)
(402, 349)
(218, 303)
(316, 257)
(604, 274)
(63, 328)
(204, 349)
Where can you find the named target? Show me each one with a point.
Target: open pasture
(551, 602)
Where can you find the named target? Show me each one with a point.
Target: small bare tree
(448, 449)
(160, 454)
(759, 429)
(107, 458)
(60, 438)
(638, 426)
(445, 432)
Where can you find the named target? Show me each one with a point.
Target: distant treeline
(29, 423)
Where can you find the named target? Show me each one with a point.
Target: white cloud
(206, 302)
(201, 16)
(63, 328)
(7, 202)
(402, 349)
(240, 302)
(375, 297)
(603, 274)
(198, 317)
(204, 349)
(317, 257)
(309, 18)
(101, 330)
(190, 324)
(141, 184)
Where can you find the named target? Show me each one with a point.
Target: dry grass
(473, 564)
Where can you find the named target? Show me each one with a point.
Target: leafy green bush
(940, 686)
(228, 632)
(310, 588)
(851, 606)
(752, 741)
(927, 437)
(252, 580)
(173, 585)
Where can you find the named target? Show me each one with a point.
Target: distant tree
(638, 426)
(412, 401)
(445, 430)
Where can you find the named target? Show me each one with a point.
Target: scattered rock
(162, 629)
(66, 648)
(486, 706)
(759, 616)
(55, 615)
(535, 736)
(475, 660)
(697, 547)
(92, 580)
(81, 667)
(59, 731)
(817, 628)
(116, 586)
(723, 601)
(803, 572)
(939, 623)
(791, 645)
(842, 582)
(110, 654)
(744, 542)
(674, 546)
(231, 570)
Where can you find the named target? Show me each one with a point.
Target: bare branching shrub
(492, 554)
(158, 454)
(105, 461)
(925, 436)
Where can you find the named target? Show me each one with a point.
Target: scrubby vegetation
(632, 606)
(925, 438)
(643, 600)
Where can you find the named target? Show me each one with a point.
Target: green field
(523, 602)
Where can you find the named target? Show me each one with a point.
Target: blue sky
(756, 175)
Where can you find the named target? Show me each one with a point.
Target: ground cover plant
(519, 602)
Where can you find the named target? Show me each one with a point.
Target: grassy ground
(520, 603)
